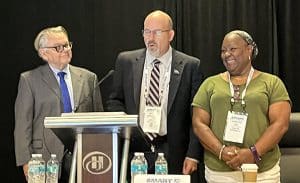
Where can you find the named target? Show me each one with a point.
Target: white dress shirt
(165, 70)
(68, 80)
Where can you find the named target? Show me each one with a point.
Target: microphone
(109, 73)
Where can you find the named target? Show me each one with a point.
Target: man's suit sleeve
(195, 149)
(97, 99)
(116, 98)
(23, 122)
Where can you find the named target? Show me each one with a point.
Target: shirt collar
(66, 70)
(164, 59)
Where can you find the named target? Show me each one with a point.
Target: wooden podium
(94, 138)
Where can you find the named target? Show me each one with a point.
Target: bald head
(158, 33)
(161, 16)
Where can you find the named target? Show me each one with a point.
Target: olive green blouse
(214, 97)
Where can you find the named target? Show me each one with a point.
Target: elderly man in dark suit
(159, 83)
(40, 95)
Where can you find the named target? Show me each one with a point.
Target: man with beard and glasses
(158, 83)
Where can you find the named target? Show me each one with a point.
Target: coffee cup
(249, 172)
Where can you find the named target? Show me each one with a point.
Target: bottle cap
(36, 155)
(137, 153)
(160, 154)
(53, 155)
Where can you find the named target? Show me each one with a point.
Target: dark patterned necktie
(64, 92)
(153, 99)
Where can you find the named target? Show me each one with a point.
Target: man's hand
(25, 170)
(189, 166)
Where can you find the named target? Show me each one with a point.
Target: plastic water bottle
(145, 164)
(161, 165)
(52, 170)
(36, 169)
(137, 165)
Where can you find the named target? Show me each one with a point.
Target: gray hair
(248, 39)
(42, 38)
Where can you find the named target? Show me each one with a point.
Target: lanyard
(247, 83)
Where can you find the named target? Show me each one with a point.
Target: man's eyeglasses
(61, 48)
(156, 32)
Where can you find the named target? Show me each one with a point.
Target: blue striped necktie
(64, 92)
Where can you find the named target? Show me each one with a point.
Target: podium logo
(96, 163)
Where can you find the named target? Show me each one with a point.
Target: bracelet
(221, 151)
(257, 158)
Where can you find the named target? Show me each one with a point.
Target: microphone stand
(109, 73)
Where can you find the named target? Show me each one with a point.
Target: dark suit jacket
(184, 82)
(39, 97)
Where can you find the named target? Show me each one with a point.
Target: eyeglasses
(61, 48)
(156, 32)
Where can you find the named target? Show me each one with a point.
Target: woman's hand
(241, 156)
(229, 153)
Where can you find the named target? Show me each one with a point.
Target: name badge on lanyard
(152, 119)
(152, 114)
(236, 121)
(235, 127)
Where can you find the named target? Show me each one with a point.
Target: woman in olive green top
(240, 115)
